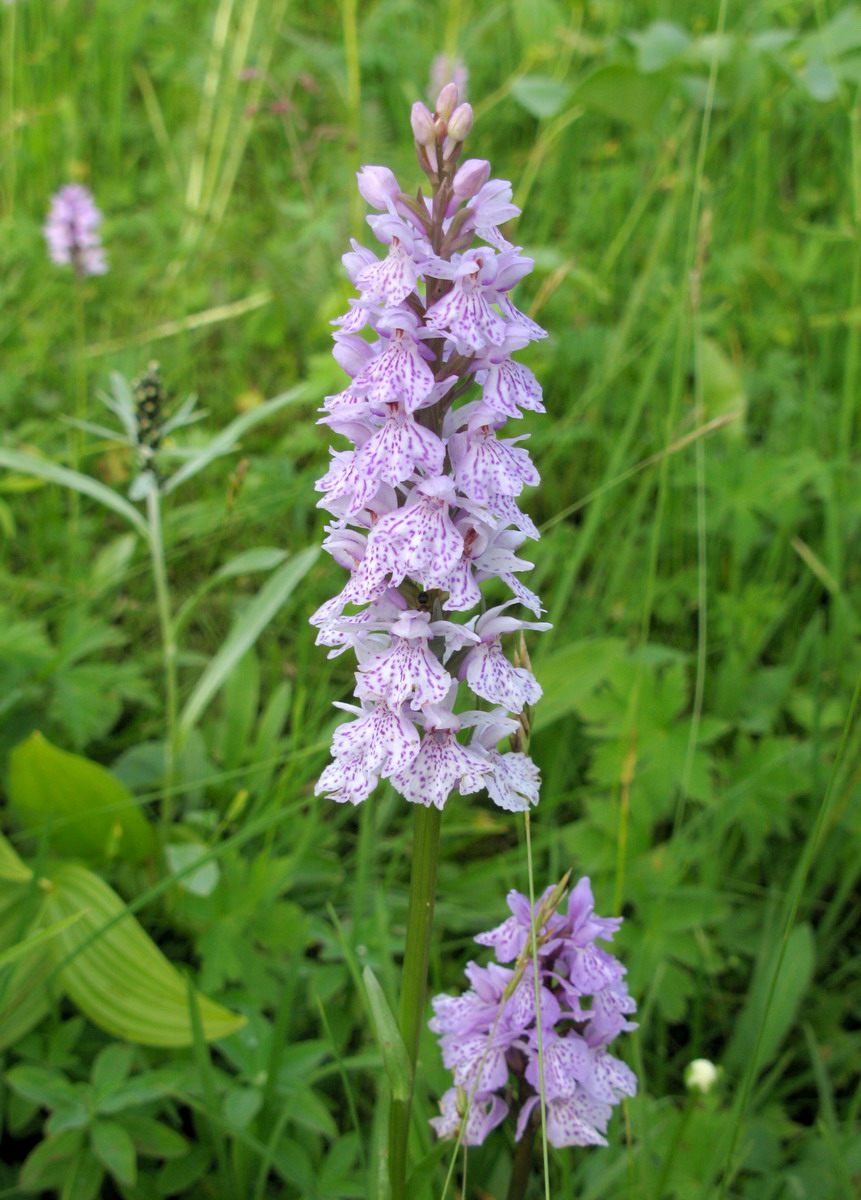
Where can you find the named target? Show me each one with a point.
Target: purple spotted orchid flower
(489, 1035)
(72, 231)
(425, 501)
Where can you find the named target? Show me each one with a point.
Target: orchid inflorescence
(425, 502)
(72, 231)
(504, 1049)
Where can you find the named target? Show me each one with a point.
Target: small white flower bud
(378, 185)
(460, 123)
(446, 101)
(701, 1075)
(422, 123)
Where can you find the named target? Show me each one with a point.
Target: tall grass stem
(169, 652)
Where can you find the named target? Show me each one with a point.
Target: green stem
(76, 441)
(168, 642)
(522, 1168)
(414, 979)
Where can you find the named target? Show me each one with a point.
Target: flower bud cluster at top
(490, 1035)
(425, 502)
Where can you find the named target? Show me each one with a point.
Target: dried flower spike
(72, 231)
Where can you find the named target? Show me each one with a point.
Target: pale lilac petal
(440, 765)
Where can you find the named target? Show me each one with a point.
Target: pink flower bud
(470, 178)
(378, 186)
(447, 101)
(460, 123)
(422, 123)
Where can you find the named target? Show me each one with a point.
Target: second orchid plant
(425, 512)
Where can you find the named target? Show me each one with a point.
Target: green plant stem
(76, 440)
(522, 1168)
(426, 829)
(168, 642)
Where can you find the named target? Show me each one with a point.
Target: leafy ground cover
(690, 181)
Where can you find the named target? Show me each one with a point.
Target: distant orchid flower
(72, 231)
(447, 69)
(425, 502)
(489, 1036)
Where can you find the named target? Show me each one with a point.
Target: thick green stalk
(522, 1167)
(168, 643)
(414, 979)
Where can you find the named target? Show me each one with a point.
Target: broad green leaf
(241, 1105)
(143, 1089)
(30, 464)
(245, 633)
(47, 1164)
(538, 22)
(84, 1179)
(30, 989)
(180, 855)
(541, 95)
(116, 974)
(624, 94)
(112, 1067)
(42, 1086)
(394, 1052)
(112, 562)
(174, 1177)
(115, 1150)
(819, 80)
(153, 1139)
(570, 674)
(770, 1022)
(29, 943)
(259, 558)
(228, 438)
(662, 44)
(84, 809)
(12, 868)
(721, 387)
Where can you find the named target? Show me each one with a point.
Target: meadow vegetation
(690, 180)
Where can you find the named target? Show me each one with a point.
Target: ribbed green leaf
(391, 1043)
(29, 943)
(11, 866)
(116, 974)
(27, 990)
(85, 809)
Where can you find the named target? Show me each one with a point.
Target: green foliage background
(690, 178)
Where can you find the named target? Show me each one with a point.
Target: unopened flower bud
(701, 1075)
(460, 123)
(378, 186)
(470, 178)
(446, 101)
(422, 123)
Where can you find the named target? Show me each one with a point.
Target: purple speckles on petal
(497, 1021)
(423, 499)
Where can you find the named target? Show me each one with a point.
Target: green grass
(700, 514)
